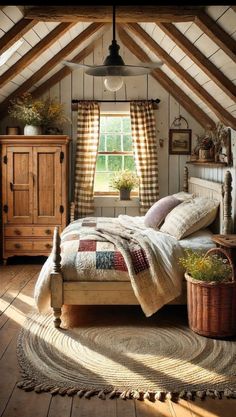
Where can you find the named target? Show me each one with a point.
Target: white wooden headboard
(219, 191)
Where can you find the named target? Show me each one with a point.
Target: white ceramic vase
(30, 130)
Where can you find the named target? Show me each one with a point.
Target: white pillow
(189, 216)
(182, 195)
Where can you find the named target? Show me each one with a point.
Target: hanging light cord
(113, 22)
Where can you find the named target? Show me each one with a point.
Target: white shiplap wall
(81, 86)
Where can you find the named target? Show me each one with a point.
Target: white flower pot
(30, 130)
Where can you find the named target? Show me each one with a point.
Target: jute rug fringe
(31, 385)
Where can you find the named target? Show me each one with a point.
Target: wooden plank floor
(16, 300)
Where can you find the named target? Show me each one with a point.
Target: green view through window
(115, 152)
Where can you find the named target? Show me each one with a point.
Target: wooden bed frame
(109, 293)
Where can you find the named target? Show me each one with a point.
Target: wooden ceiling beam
(35, 52)
(234, 8)
(225, 117)
(38, 75)
(217, 34)
(94, 13)
(15, 33)
(167, 83)
(201, 60)
(62, 73)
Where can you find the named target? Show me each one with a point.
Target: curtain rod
(115, 101)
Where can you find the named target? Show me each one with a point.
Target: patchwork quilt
(96, 258)
(117, 249)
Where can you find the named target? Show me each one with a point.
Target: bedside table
(227, 242)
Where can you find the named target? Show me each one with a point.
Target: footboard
(56, 280)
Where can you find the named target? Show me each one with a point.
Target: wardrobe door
(47, 178)
(19, 185)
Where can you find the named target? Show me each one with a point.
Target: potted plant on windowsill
(211, 292)
(124, 182)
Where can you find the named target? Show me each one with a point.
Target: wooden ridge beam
(217, 34)
(223, 115)
(200, 59)
(94, 13)
(167, 83)
(38, 75)
(62, 73)
(15, 33)
(35, 52)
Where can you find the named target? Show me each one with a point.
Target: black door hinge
(61, 157)
(61, 209)
(5, 208)
(5, 159)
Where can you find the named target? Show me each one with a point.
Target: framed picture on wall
(180, 141)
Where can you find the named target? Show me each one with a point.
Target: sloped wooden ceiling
(196, 44)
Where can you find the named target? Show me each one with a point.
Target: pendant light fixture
(114, 68)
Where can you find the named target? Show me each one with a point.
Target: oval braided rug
(129, 361)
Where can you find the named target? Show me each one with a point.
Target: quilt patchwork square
(139, 260)
(87, 246)
(119, 262)
(105, 260)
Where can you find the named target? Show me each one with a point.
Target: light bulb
(113, 83)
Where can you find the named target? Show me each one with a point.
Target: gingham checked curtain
(86, 154)
(145, 152)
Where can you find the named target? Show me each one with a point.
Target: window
(115, 152)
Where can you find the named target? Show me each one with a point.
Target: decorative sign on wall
(180, 139)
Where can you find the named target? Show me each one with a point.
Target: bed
(110, 292)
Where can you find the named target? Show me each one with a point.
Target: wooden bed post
(227, 210)
(185, 184)
(56, 279)
(72, 211)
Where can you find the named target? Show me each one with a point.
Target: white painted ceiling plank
(186, 62)
(13, 13)
(193, 33)
(31, 37)
(216, 11)
(6, 23)
(183, 26)
(206, 45)
(220, 58)
(228, 21)
(177, 54)
(41, 29)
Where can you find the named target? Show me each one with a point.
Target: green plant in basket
(206, 268)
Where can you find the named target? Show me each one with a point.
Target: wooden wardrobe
(34, 192)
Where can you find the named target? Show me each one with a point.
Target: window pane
(114, 124)
(101, 182)
(126, 124)
(102, 143)
(127, 143)
(101, 163)
(129, 163)
(113, 143)
(114, 162)
(102, 124)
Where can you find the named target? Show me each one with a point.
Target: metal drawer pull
(17, 245)
(49, 246)
(48, 232)
(17, 232)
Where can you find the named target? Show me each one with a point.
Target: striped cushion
(189, 216)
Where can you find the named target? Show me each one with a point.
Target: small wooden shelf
(208, 164)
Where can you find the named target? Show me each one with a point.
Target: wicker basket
(212, 305)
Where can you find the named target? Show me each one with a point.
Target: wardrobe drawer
(43, 231)
(18, 231)
(18, 245)
(42, 245)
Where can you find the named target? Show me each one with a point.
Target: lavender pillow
(159, 210)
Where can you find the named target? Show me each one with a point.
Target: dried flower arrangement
(46, 113)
